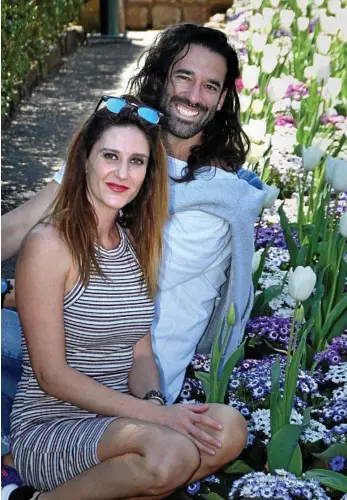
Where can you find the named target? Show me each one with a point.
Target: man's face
(193, 91)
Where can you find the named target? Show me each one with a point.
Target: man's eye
(183, 77)
(211, 87)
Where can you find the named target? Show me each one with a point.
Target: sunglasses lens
(115, 105)
(148, 114)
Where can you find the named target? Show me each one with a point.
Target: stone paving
(35, 142)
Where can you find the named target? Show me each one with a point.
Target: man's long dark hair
(224, 143)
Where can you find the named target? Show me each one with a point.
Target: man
(189, 74)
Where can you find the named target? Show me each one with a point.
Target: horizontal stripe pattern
(102, 322)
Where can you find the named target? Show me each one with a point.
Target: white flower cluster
(260, 422)
(337, 373)
(275, 258)
(340, 392)
(283, 304)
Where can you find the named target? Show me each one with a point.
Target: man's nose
(194, 93)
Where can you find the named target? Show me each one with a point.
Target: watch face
(4, 285)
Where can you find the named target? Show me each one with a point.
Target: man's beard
(178, 126)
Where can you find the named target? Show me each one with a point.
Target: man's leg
(11, 370)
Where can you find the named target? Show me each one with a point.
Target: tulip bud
(277, 89)
(256, 152)
(257, 106)
(286, 18)
(301, 283)
(323, 43)
(231, 316)
(336, 173)
(303, 23)
(250, 75)
(256, 130)
(343, 225)
(256, 261)
(311, 156)
(272, 193)
(258, 41)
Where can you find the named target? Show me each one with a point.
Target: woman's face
(116, 167)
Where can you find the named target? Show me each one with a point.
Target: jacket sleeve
(193, 242)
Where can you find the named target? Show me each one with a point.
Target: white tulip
(318, 3)
(343, 226)
(256, 22)
(256, 152)
(328, 24)
(268, 64)
(276, 89)
(272, 193)
(295, 105)
(274, 3)
(322, 66)
(303, 23)
(268, 14)
(257, 106)
(323, 43)
(322, 143)
(258, 42)
(301, 282)
(243, 36)
(286, 18)
(256, 4)
(334, 6)
(342, 36)
(302, 4)
(311, 156)
(250, 75)
(331, 89)
(256, 261)
(336, 173)
(310, 72)
(245, 102)
(256, 130)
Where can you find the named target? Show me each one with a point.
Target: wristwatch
(6, 287)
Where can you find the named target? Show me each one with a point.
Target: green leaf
(293, 249)
(339, 327)
(262, 299)
(340, 307)
(275, 398)
(291, 378)
(205, 380)
(212, 496)
(226, 372)
(282, 446)
(329, 478)
(259, 271)
(215, 361)
(295, 466)
(333, 450)
(238, 467)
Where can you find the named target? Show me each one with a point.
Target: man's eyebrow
(110, 150)
(190, 73)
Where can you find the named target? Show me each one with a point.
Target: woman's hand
(184, 418)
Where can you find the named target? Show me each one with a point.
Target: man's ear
(222, 99)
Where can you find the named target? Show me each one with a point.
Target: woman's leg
(137, 459)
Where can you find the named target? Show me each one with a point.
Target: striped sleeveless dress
(52, 440)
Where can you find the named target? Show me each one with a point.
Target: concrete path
(35, 142)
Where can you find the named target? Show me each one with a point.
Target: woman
(84, 301)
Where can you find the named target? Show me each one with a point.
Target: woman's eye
(110, 156)
(137, 161)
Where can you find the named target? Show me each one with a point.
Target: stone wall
(156, 14)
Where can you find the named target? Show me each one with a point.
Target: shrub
(29, 27)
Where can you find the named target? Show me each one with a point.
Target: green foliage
(29, 27)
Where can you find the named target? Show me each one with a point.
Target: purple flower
(337, 463)
(193, 488)
(285, 121)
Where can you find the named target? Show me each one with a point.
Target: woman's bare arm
(144, 375)
(16, 224)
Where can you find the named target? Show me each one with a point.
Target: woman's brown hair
(145, 216)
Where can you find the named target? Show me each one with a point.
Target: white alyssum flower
(337, 373)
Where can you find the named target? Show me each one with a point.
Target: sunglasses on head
(116, 104)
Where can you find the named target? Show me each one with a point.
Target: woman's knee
(172, 463)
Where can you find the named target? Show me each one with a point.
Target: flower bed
(289, 377)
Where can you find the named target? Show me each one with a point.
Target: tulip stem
(336, 275)
(331, 227)
(291, 335)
